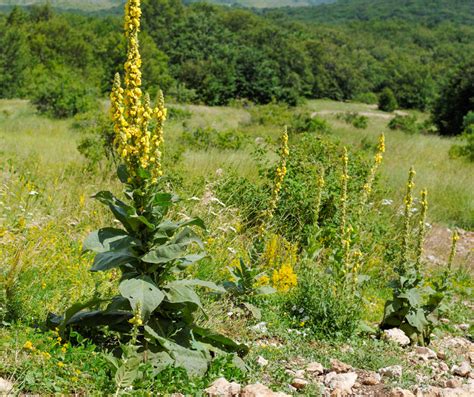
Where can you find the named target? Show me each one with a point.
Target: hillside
(420, 11)
(85, 5)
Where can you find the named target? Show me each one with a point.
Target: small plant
(206, 138)
(305, 122)
(415, 304)
(408, 124)
(357, 120)
(156, 304)
(467, 149)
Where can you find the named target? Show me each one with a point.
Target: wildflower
(452, 253)
(60, 364)
(408, 200)
(46, 355)
(28, 345)
(284, 278)
(263, 280)
(131, 110)
(422, 227)
(367, 189)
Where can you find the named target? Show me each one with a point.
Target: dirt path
(386, 116)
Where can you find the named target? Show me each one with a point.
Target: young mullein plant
(156, 305)
(415, 306)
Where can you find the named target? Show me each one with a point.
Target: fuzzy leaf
(112, 259)
(109, 239)
(142, 293)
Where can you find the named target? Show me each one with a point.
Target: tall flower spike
(320, 184)
(367, 189)
(132, 112)
(452, 253)
(277, 184)
(421, 228)
(407, 218)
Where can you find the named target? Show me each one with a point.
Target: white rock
(262, 361)
(425, 353)
(315, 368)
(5, 387)
(397, 336)
(463, 327)
(399, 392)
(443, 366)
(223, 388)
(258, 390)
(462, 370)
(343, 382)
(260, 327)
(394, 371)
(299, 383)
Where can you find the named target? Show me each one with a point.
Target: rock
(370, 378)
(223, 388)
(177, 395)
(453, 383)
(463, 327)
(443, 367)
(336, 393)
(299, 373)
(444, 320)
(299, 383)
(339, 367)
(394, 371)
(462, 370)
(6, 387)
(425, 353)
(260, 328)
(258, 390)
(399, 392)
(441, 355)
(262, 361)
(315, 368)
(397, 336)
(344, 382)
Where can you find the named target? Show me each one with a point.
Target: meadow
(46, 211)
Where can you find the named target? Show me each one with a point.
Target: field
(46, 212)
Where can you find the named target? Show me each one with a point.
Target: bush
(467, 149)
(61, 93)
(407, 124)
(206, 138)
(357, 120)
(367, 97)
(304, 122)
(387, 100)
(327, 312)
(455, 102)
(179, 113)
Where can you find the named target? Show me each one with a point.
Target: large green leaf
(417, 319)
(176, 292)
(222, 342)
(109, 239)
(186, 237)
(171, 252)
(201, 283)
(195, 362)
(142, 293)
(413, 296)
(112, 259)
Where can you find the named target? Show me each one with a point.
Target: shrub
(62, 93)
(407, 124)
(321, 307)
(367, 97)
(357, 120)
(206, 138)
(305, 122)
(175, 113)
(387, 100)
(456, 101)
(467, 149)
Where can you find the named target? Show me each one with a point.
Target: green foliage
(357, 120)
(467, 149)
(366, 97)
(306, 123)
(322, 308)
(206, 138)
(387, 100)
(456, 101)
(64, 94)
(408, 124)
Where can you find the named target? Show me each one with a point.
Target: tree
(455, 101)
(387, 100)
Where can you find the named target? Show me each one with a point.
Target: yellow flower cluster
(284, 278)
(452, 254)
(278, 181)
(407, 217)
(344, 180)
(279, 251)
(132, 114)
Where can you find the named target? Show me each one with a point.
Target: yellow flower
(60, 364)
(284, 278)
(28, 346)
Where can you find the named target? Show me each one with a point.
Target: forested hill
(83, 5)
(419, 11)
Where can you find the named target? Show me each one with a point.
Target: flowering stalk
(280, 173)
(407, 217)
(422, 228)
(345, 232)
(452, 253)
(132, 114)
(320, 184)
(367, 189)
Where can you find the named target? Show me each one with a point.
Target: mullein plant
(416, 300)
(156, 304)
